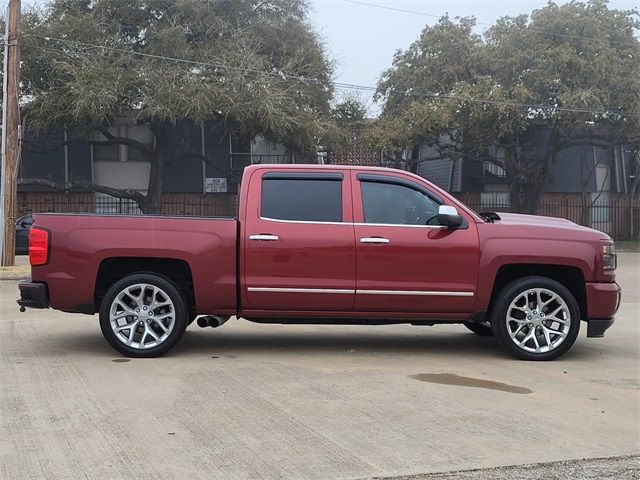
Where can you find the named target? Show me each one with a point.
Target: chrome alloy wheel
(538, 320)
(142, 316)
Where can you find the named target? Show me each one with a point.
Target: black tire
(480, 328)
(501, 326)
(179, 315)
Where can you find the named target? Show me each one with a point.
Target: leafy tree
(574, 69)
(351, 111)
(349, 123)
(90, 63)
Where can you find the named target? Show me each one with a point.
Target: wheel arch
(571, 277)
(113, 269)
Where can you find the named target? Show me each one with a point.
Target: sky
(362, 39)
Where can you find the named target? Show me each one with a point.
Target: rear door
(299, 248)
(406, 262)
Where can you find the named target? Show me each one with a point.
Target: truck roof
(314, 166)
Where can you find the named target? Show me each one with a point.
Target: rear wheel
(536, 318)
(143, 315)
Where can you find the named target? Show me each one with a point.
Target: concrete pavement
(273, 401)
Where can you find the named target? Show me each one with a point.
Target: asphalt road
(296, 402)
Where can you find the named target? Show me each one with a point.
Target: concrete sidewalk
(250, 401)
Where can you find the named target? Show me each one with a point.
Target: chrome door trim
(362, 292)
(436, 227)
(304, 222)
(430, 293)
(359, 224)
(299, 290)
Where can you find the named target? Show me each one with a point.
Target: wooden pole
(10, 133)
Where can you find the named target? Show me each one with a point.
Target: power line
(341, 85)
(538, 31)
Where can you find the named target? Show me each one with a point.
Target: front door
(299, 242)
(405, 261)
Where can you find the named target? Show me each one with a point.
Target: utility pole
(10, 134)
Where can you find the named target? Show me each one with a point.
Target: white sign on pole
(215, 185)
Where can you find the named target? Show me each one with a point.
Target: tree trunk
(514, 176)
(414, 160)
(153, 201)
(532, 195)
(526, 181)
(634, 188)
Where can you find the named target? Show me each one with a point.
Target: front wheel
(536, 318)
(143, 315)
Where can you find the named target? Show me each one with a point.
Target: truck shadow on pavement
(197, 342)
(346, 342)
(449, 344)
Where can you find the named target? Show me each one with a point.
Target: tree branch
(32, 147)
(116, 140)
(66, 186)
(111, 140)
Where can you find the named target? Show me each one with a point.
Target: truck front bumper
(33, 295)
(603, 300)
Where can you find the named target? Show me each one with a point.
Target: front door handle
(374, 240)
(264, 237)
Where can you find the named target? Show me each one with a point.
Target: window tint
(396, 204)
(302, 199)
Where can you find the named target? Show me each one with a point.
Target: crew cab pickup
(328, 245)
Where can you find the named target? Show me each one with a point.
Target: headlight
(609, 261)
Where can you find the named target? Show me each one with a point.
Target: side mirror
(448, 216)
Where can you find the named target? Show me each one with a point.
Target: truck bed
(80, 243)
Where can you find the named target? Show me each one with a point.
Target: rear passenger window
(302, 199)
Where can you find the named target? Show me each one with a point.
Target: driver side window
(396, 204)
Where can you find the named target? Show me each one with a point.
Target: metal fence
(619, 218)
(210, 205)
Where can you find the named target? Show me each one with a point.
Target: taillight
(38, 246)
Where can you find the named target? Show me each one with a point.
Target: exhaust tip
(203, 322)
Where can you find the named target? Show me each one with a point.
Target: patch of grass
(628, 246)
(14, 273)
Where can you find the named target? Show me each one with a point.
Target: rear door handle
(374, 240)
(264, 237)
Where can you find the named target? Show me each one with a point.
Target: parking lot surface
(296, 402)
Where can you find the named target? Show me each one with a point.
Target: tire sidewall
(179, 303)
(509, 293)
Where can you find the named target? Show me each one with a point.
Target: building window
(493, 170)
(106, 153)
(123, 153)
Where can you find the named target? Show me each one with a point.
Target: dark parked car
(22, 234)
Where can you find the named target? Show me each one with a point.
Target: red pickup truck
(328, 245)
